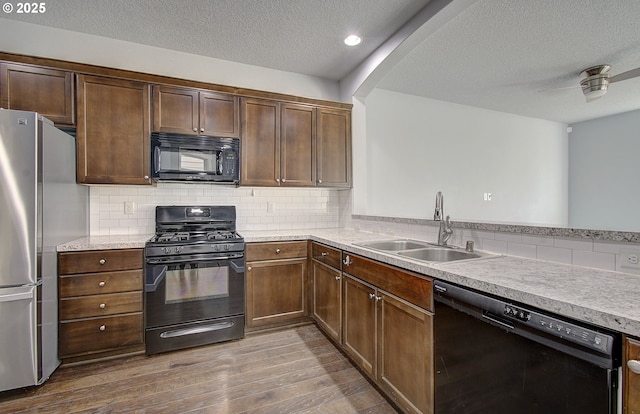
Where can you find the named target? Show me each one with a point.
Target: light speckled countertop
(603, 298)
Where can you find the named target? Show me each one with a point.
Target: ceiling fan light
(595, 86)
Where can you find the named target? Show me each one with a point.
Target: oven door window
(185, 283)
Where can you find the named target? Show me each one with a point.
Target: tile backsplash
(131, 209)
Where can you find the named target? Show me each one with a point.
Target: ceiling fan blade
(625, 75)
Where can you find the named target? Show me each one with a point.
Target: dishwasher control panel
(561, 328)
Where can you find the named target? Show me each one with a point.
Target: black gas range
(194, 278)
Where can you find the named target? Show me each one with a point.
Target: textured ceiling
(496, 54)
(506, 56)
(302, 36)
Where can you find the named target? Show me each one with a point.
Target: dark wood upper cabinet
(278, 143)
(298, 145)
(195, 112)
(113, 131)
(32, 88)
(334, 148)
(260, 143)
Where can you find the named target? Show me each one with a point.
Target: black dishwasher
(495, 356)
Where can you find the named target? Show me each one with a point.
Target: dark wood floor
(291, 371)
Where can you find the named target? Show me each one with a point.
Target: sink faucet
(445, 231)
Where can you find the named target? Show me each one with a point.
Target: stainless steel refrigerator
(41, 206)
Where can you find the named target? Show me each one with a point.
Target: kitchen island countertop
(604, 298)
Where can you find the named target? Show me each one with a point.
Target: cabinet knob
(324, 254)
(102, 328)
(277, 251)
(201, 129)
(102, 283)
(195, 129)
(372, 295)
(102, 261)
(102, 305)
(277, 180)
(249, 269)
(319, 181)
(337, 277)
(146, 177)
(284, 180)
(634, 366)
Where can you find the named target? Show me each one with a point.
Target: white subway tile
(509, 237)
(522, 250)
(495, 246)
(573, 244)
(537, 240)
(554, 254)
(598, 260)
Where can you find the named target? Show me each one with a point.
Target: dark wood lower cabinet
(100, 304)
(387, 336)
(631, 379)
(276, 283)
(327, 298)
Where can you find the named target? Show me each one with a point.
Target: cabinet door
(359, 324)
(275, 291)
(327, 297)
(334, 148)
(219, 115)
(32, 88)
(298, 145)
(260, 143)
(631, 390)
(113, 131)
(405, 353)
(175, 110)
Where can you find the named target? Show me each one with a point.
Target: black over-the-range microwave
(176, 157)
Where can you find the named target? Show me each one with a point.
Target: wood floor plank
(289, 371)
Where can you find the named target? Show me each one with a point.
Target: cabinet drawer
(100, 283)
(406, 285)
(99, 261)
(327, 255)
(97, 334)
(100, 305)
(275, 250)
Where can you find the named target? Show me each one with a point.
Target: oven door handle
(189, 259)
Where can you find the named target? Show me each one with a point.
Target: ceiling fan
(595, 80)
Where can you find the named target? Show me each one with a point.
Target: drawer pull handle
(102, 261)
(347, 261)
(102, 328)
(102, 283)
(634, 366)
(324, 254)
(277, 251)
(102, 305)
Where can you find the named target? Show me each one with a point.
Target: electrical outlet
(630, 259)
(487, 196)
(129, 207)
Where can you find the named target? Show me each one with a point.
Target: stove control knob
(166, 250)
(216, 247)
(226, 247)
(178, 249)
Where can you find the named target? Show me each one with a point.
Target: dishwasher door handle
(500, 322)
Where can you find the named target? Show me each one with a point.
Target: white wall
(418, 146)
(604, 170)
(34, 40)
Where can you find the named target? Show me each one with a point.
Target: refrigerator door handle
(12, 297)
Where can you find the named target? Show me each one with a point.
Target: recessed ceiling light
(352, 40)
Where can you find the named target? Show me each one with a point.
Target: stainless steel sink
(396, 245)
(425, 251)
(439, 254)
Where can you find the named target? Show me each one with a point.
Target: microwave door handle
(220, 161)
